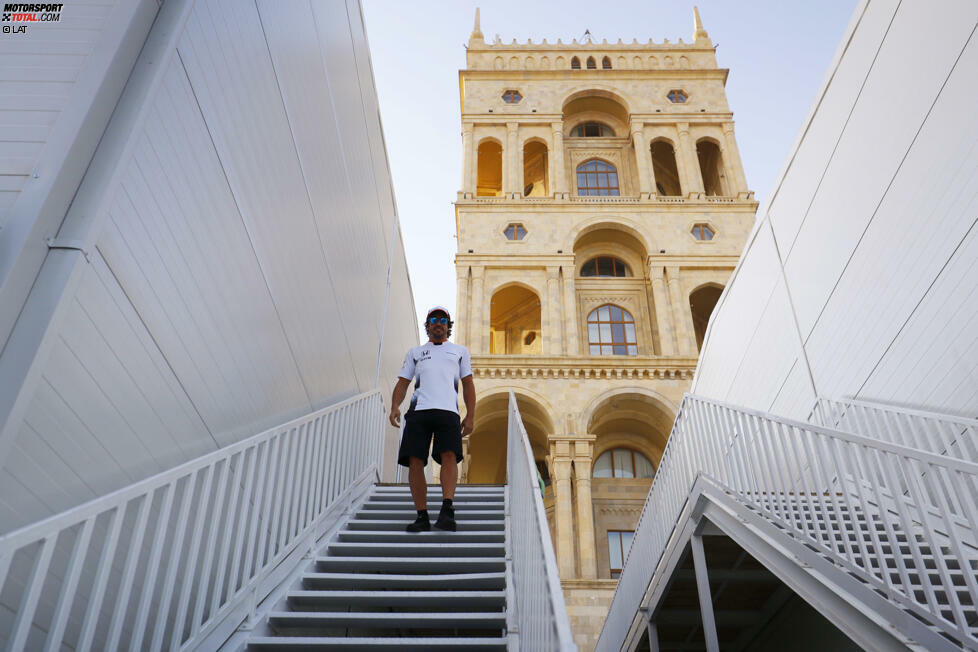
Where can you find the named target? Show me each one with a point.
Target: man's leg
(419, 487)
(449, 474)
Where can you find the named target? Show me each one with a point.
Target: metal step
(399, 525)
(407, 506)
(404, 620)
(433, 536)
(362, 644)
(406, 582)
(437, 498)
(408, 515)
(418, 549)
(427, 565)
(420, 600)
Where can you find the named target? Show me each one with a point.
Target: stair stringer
(865, 616)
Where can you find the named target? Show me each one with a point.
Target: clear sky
(778, 52)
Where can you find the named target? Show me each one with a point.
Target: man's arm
(397, 397)
(468, 395)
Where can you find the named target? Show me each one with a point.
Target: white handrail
(162, 562)
(539, 613)
(938, 433)
(923, 503)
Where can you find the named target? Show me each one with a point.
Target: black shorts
(420, 425)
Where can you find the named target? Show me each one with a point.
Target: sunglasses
(437, 320)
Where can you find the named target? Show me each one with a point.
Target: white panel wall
(38, 72)
(875, 220)
(239, 278)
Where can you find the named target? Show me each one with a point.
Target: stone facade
(527, 233)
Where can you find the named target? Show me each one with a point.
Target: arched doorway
(486, 461)
(489, 181)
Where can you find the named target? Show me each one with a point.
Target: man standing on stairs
(437, 366)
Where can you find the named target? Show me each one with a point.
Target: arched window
(575, 64)
(605, 267)
(623, 463)
(591, 65)
(701, 304)
(711, 167)
(664, 169)
(489, 170)
(611, 331)
(592, 130)
(597, 178)
(606, 63)
(535, 169)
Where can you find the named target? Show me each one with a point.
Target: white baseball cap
(437, 309)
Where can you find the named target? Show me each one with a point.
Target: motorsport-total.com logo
(16, 16)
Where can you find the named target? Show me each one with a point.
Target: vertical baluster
(129, 573)
(153, 568)
(332, 446)
(219, 511)
(101, 578)
(66, 596)
(836, 487)
(842, 460)
(919, 485)
(862, 477)
(345, 435)
(776, 452)
(32, 593)
(765, 467)
(281, 484)
(800, 486)
(957, 545)
(822, 487)
(311, 512)
(750, 464)
(289, 490)
(234, 532)
(322, 491)
(176, 637)
(258, 529)
(298, 486)
(886, 463)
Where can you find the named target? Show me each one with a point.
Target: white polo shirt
(438, 369)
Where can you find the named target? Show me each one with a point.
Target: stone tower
(603, 207)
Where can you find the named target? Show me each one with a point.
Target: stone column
(687, 152)
(643, 160)
(583, 460)
(468, 160)
(731, 159)
(571, 346)
(682, 319)
(552, 341)
(477, 323)
(463, 467)
(559, 178)
(563, 516)
(511, 161)
(462, 316)
(662, 309)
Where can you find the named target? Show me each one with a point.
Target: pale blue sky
(778, 52)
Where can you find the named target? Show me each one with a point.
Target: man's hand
(467, 425)
(395, 417)
(400, 389)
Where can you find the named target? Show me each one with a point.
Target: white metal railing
(938, 433)
(165, 561)
(539, 613)
(921, 504)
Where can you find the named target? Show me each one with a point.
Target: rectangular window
(618, 543)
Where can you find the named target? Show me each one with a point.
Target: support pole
(703, 589)
(653, 635)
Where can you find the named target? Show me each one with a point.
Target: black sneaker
(421, 524)
(446, 519)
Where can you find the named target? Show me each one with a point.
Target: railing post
(703, 590)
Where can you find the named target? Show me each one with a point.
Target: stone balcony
(584, 367)
(693, 199)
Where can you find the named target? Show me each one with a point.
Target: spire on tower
(476, 36)
(698, 31)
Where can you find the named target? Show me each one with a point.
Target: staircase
(870, 515)
(375, 586)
